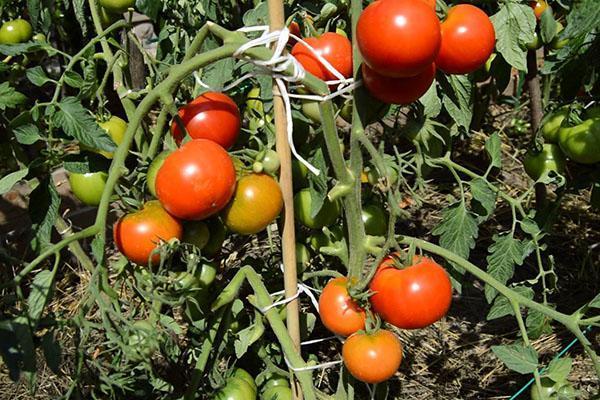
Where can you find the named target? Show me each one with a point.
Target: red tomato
(539, 7)
(294, 28)
(196, 181)
(333, 47)
(398, 38)
(213, 116)
(430, 3)
(138, 234)
(339, 313)
(413, 297)
(468, 40)
(372, 357)
(397, 90)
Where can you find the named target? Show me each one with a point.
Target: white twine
(278, 64)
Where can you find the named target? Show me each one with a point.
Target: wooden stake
(288, 235)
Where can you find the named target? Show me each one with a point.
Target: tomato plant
(333, 47)
(213, 116)
(398, 39)
(413, 297)
(468, 40)
(256, 203)
(339, 313)
(372, 357)
(138, 234)
(196, 181)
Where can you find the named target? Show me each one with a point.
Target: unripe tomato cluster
(411, 297)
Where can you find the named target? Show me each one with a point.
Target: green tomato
(536, 43)
(245, 376)
(581, 143)
(39, 37)
(547, 392)
(88, 187)
(375, 220)
(117, 6)
(142, 343)
(540, 164)
(107, 18)
(115, 127)
(270, 162)
(196, 233)
(302, 257)
(216, 237)
(277, 393)
(274, 380)
(552, 124)
(310, 109)
(15, 31)
(326, 216)
(206, 274)
(373, 175)
(558, 43)
(153, 171)
(236, 389)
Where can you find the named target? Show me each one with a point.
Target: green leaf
(502, 307)
(9, 97)
(595, 303)
(484, 198)
(522, 359)
(37, 76)
(219, 73)
(27, 134)
(530, 227)
(80, 11)
(151, 8)
(44, 203)
(73, 79)
(559, 369)
(493, 146)
(457, 230)
(170, 324)
(583, 19)
(537, 324)
(78, 123)
(8, 181)
(504, 254)
(458, 98)
(547, 26)
(20, 48)
(52, 352)
(39, 296)
(247, 336)
(514, 24)
(85, 163)
(431, 102)
(317, 184)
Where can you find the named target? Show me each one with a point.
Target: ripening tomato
(333, 47)
(196, 181)
(468, 40)
(88, 187)
(539, 6)
(399, 38)
(339, 313)
(257, 201)
(413, 297)
(397, 90)
(372, 357)
(15, 31)
(213, 116)
(117, 6)
(138, 234)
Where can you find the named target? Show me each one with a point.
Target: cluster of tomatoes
(410, 297)
(403, 43)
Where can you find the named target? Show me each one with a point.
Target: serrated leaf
(537, 324)
(44, 203)
(9, 97)
(8, 181)
(484, 197)
(431, 102)
(37, 76)
(458, 98)
(559, 369)
(514, 24)
(502, 306)
(27, 134)
(504, 254)
(247, 336)
(457, 230)
(98, 245)
(78, 123)
(79, 9)
(493, 146)
(39, 296)
(583, 18)
(219, 73)
(521, 359)
(19, 48)
(151, 8)
(530, 227)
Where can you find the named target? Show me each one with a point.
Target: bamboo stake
(288, 235)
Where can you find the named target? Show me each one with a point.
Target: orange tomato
(372, 357)
(339, 313)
